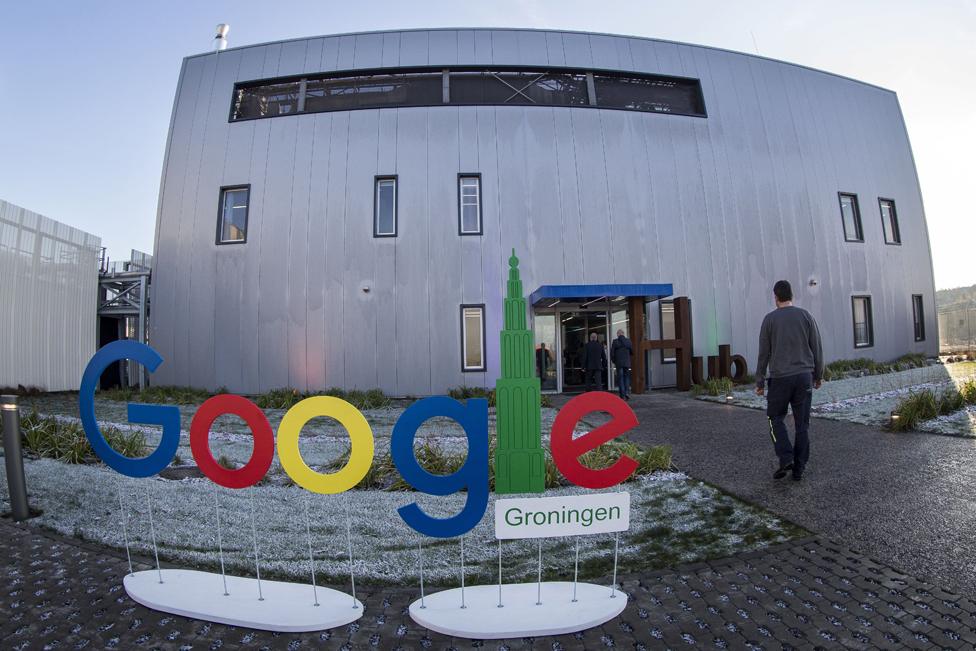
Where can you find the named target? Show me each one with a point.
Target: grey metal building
(339, 210)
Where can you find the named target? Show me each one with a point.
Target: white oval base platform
(482, 619)
(287, 607)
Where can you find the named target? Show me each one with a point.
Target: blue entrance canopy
(552, 295)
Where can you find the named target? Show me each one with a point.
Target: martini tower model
(519, 459)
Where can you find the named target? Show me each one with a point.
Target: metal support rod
(152, 531)
(142, 328)
(500, 573)
(311, 558)
(125, 529)
(352, 574)
(220, 541)
(420, 559)
(576, 570)
(254, 538)
(462, 573)
(14, 459)
(538, 588)
(616, 549)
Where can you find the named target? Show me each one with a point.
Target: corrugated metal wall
(48, 290)
(721, 207)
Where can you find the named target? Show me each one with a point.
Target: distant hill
(956, 297)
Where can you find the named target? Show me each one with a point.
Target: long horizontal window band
(467, 86)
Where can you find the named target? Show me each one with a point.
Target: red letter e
(566, 451)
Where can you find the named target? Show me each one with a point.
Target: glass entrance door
(546, 351)
(575, 330)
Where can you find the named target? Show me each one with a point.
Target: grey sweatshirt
(789, 344)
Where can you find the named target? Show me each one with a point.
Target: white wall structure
(48, 290)
(720, 205)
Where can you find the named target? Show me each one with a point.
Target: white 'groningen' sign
(569, 515)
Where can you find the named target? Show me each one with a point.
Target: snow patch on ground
(869, 400)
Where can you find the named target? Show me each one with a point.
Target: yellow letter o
(360, 439)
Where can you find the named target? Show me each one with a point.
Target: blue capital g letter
(167, 417)
(473, 475)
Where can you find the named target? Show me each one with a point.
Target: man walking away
(594, 359)
(620, 353)
(789, 343)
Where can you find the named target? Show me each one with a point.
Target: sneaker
(783, 469)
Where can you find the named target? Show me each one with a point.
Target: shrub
(466, 392)
(66, 441)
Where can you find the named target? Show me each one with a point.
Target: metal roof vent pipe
(220, 40)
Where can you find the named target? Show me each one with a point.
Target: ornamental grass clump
(65, 441)
(968, 391)
(166, 395)
(915, 408)
(287, 397)
(713, 387)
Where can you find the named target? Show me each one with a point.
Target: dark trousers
(623, 381)
(594, 376)
(794, 391)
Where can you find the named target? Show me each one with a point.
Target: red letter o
(262, 456)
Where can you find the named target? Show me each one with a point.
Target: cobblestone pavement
(58, 593)
(906, 498)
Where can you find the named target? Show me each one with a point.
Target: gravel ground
(869, 400)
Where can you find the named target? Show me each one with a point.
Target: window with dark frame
(668, 355)
(232, 217)
(385, 207)
(918, 316)
(473, 338)
(469, 204)
(889, 221)
(851, 214)
(467, 85)
(863, 321)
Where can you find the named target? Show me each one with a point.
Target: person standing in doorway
(594, 361)
(620, 353)
(789, 344)
(542, 360)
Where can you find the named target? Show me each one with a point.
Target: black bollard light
(14, 459)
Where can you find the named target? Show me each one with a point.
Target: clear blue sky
(86, 88)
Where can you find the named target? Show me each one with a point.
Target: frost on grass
(674, 519)
(869, 400)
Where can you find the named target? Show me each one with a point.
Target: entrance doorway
(575, 331)
(560, 336)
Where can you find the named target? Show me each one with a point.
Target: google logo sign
(472, 416)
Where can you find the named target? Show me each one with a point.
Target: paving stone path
(59, 593)
(906, 498)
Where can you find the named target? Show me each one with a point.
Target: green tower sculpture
(519, 459)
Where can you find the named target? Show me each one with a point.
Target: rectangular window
(918, 315)
(889, 221)
(232, 216)
(668, 355)
(374, 91)
(469, 204)
(385, 207)
(540, 87)
(863, 323)
(264, 101)
(652, 94)
(473, 337)
(851, 214)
